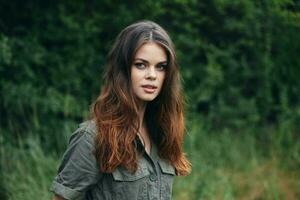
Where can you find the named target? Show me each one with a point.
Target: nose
(151, 73)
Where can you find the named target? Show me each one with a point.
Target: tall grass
(237, 165)
(27, 170)
(226, 166)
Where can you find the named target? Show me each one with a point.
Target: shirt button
(153, 177)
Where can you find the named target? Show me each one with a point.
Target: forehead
(151, 51)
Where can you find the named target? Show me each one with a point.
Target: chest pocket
(127, 185)
(122, 175)
(167, 176)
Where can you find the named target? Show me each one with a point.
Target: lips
(149, 88)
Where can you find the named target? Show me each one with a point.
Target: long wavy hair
(115, 111)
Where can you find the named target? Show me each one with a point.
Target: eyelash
(139, 65)
(160, 67)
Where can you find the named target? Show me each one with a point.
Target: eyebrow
(145, 61)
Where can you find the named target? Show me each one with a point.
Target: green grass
(236, 165)
(27, 171)
(226, 166)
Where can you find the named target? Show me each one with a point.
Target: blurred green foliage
(239, 62)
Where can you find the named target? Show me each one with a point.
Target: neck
(143, 133)
(142, 109)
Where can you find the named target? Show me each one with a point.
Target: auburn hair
(115, 111)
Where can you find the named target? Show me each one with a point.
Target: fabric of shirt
(79, 176)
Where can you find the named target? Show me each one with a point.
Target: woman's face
(148, 71)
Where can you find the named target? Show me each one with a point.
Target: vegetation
(239, 64)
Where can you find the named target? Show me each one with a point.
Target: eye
(161, 67)
(139, 65)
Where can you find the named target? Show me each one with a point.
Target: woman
(131, 147)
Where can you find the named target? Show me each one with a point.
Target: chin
(145, 98)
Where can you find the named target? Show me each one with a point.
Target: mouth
(149, 88)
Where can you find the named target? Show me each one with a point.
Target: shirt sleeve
(78, 170)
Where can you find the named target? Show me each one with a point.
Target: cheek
(162, 78)
(135, 80)
(133, 77)
(136, 75)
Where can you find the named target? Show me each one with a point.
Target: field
(225, 166)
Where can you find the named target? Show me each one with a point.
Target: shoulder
(88, 127)
(86, 130)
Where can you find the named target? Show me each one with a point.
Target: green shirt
(79, 176)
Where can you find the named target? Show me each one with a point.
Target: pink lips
(149, 88)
